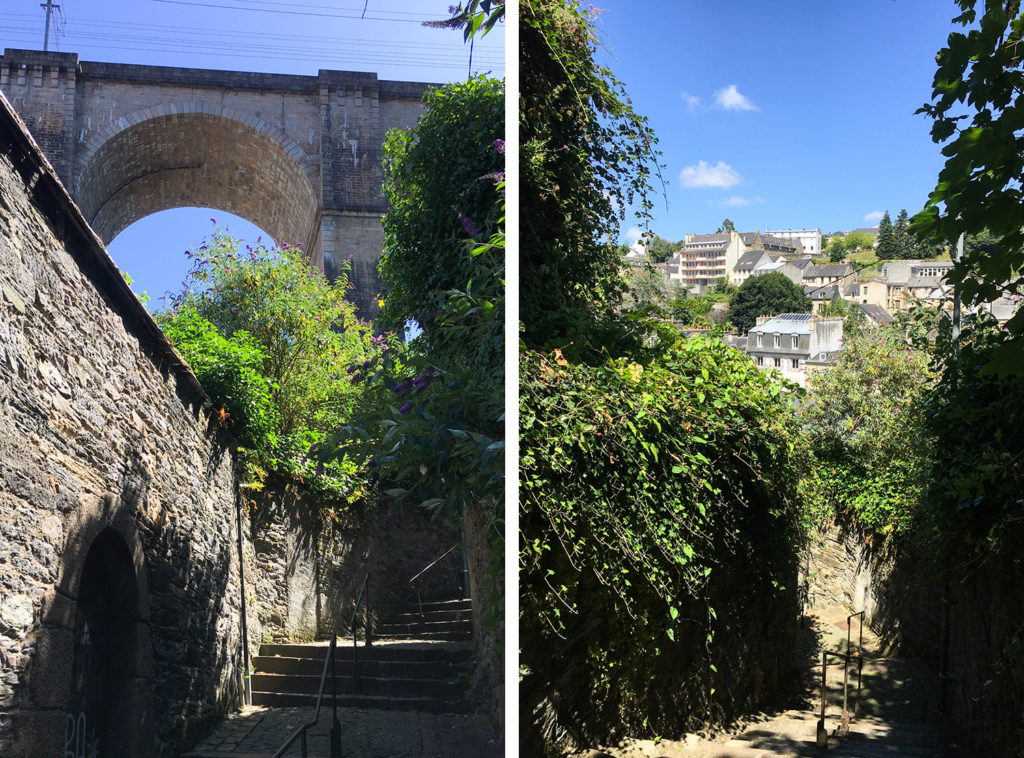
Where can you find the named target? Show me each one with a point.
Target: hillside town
(863, 282)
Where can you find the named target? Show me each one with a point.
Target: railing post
(822, 733)
(335, 724)
(844, 721)
(368, 625)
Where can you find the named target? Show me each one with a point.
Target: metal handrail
(367, 630)
(434, 563)
(329, 665)
(859, 653)
(445, 554)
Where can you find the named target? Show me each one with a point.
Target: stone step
(433, 669)
(414, 616)
(414, 629)
(452, 635)
(463, 604)
(368, 685)
(396, 651)
(429, 704)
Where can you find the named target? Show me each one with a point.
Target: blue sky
(271, 36)
(794, 114)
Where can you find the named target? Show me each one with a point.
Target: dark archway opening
(104, 703)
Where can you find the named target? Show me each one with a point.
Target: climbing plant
(585, 156)
(644, 490)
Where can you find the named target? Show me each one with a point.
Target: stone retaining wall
(120, 618)
(308, 576)
(965, 619)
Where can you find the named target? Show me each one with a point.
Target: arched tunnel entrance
(107, 684)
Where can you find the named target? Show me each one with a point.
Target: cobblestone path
(257, 732)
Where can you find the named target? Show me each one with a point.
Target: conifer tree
(903, 245)
(885, 246)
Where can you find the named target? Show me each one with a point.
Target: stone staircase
(416, 662)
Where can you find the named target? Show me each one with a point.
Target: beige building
(706, 258)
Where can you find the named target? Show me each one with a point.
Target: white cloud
(703, 175)
(873, 217)
(730, 99)
(633, 234)
(692, 101)
(735, 201)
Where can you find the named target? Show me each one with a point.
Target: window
(796, 341)
(796, 363)
(760, 360)
(760, 340)
(778, 362)
(778, 340)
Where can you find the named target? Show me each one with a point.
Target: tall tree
(727, 226)
(766, 295)
(660, 249)
(885, 245)
(902, 243)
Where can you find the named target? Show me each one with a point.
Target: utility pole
(49, 6)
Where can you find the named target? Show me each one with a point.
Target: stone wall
(120, 618)
(965, 618)
(308, 575)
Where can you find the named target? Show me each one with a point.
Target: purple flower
(499, 145)
(319, 469)
(405, 408)
(498, 176)
(467, 223)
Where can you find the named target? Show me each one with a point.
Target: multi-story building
(774, 246)
(706, 258)
(810, 239)
(789, 341)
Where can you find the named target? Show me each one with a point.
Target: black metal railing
(459, 577)
(850, 656)
(364, 591)
(300, 734)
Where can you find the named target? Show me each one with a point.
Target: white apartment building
(809, 238)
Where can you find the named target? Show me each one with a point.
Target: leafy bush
(865, 421)
(280, 351)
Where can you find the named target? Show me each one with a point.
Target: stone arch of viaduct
(299, 156)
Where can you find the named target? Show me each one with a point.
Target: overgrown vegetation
(643, 490)
(649, 468)
(281, 353)
(865, 421)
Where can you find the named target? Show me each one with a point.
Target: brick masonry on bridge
(299, 156)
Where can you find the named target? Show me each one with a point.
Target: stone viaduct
(299, 156)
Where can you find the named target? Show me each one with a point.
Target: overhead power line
(292, 12)
(326, 50)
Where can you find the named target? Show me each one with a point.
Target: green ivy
(644, 490)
